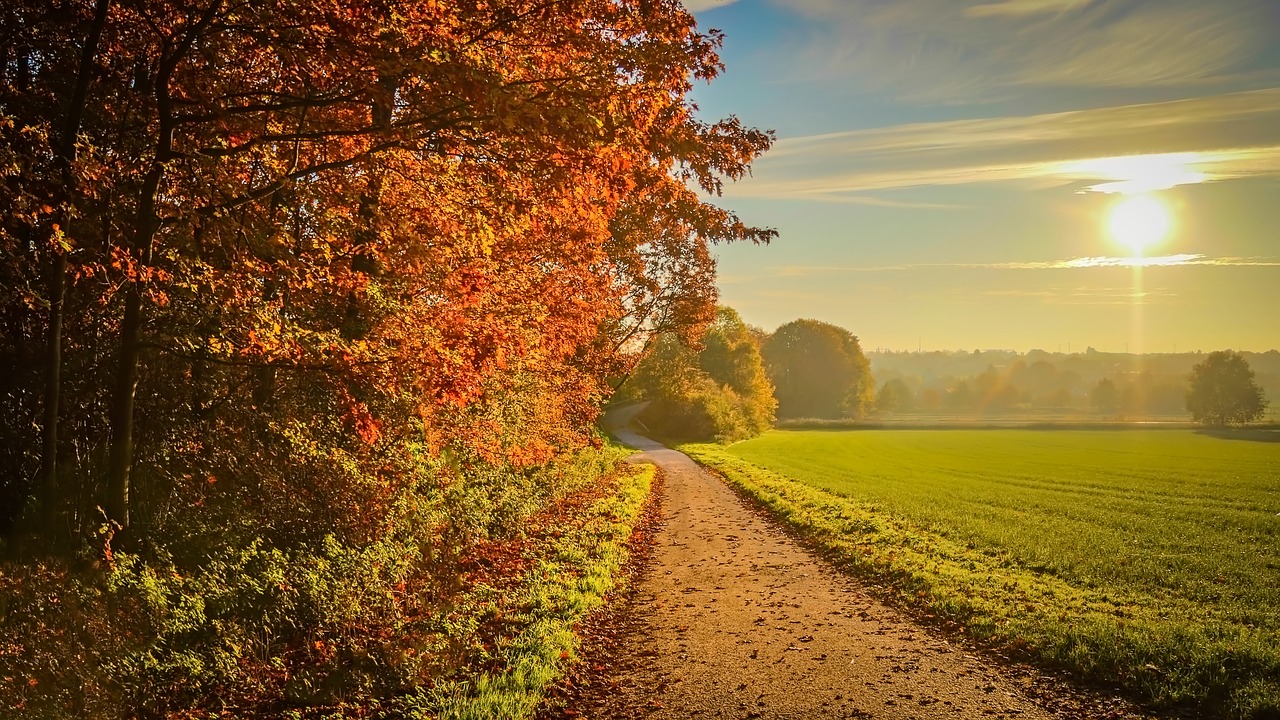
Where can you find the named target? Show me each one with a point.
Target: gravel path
(734, 620)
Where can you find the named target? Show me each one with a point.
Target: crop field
(1147, 556)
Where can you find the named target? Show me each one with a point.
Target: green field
(1145, 555)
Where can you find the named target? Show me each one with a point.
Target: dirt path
(735, 620)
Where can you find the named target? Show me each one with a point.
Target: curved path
(735, 620)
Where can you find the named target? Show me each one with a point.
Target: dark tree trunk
(51, 497)
(146, 225)
(120, 460)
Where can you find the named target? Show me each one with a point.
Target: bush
(257, 621)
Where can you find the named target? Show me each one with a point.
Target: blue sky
(948, 172)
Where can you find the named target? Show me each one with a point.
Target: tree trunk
(52, 392)
(120, 459)
(58, 271)
(146, 225)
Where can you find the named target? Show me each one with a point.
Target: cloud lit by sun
(1132, 174)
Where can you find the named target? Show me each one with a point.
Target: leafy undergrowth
(397, 628)
(1170, 653)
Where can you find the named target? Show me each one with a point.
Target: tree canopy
(818, 371)
(1222, 391)
(718, 392)
(1105, 398)
(894, 396)
(302, 303)
(442, 223)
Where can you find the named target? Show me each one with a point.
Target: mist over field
(1005, 381)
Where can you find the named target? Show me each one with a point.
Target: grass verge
(1168, 653)
(567, 583)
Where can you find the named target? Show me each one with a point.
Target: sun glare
(1133, 174)
(1139, 221)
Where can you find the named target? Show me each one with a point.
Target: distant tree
(894, 396)
(961, 396)
(930, 399)
(720, 392)
(818, 371)
(731, 356)
(1222, 391)
(1133, 398)
(1105, 398)
(1038, 378)
(995, 391)
(1060, 398)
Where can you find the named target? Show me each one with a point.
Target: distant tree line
(1110, 385)
(734, 381)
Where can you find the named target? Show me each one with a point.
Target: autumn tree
(293, 286)
(819, 371)
(731, 356)
(719, 391)
(1222, 391)
(448, 219)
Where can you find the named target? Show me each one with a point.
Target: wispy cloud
(1111, 297)
(1024, 7)
(1185, 259)
(1130, 262)
(876, 201)
(938, 49)
(1018, 293)
(1111, 149)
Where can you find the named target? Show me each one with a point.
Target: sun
(1139, 222)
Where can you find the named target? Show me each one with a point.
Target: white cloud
(1128, 262)
(1081, 263)
(1116, 149)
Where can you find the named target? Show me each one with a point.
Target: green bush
(257, 621)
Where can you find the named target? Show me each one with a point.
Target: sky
(1015, 174)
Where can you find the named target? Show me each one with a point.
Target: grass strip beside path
(565, 585)
(1169, 654)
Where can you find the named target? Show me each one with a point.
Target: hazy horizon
(1053, 351)
(1014, 174)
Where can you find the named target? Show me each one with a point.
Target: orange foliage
(446, 222)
